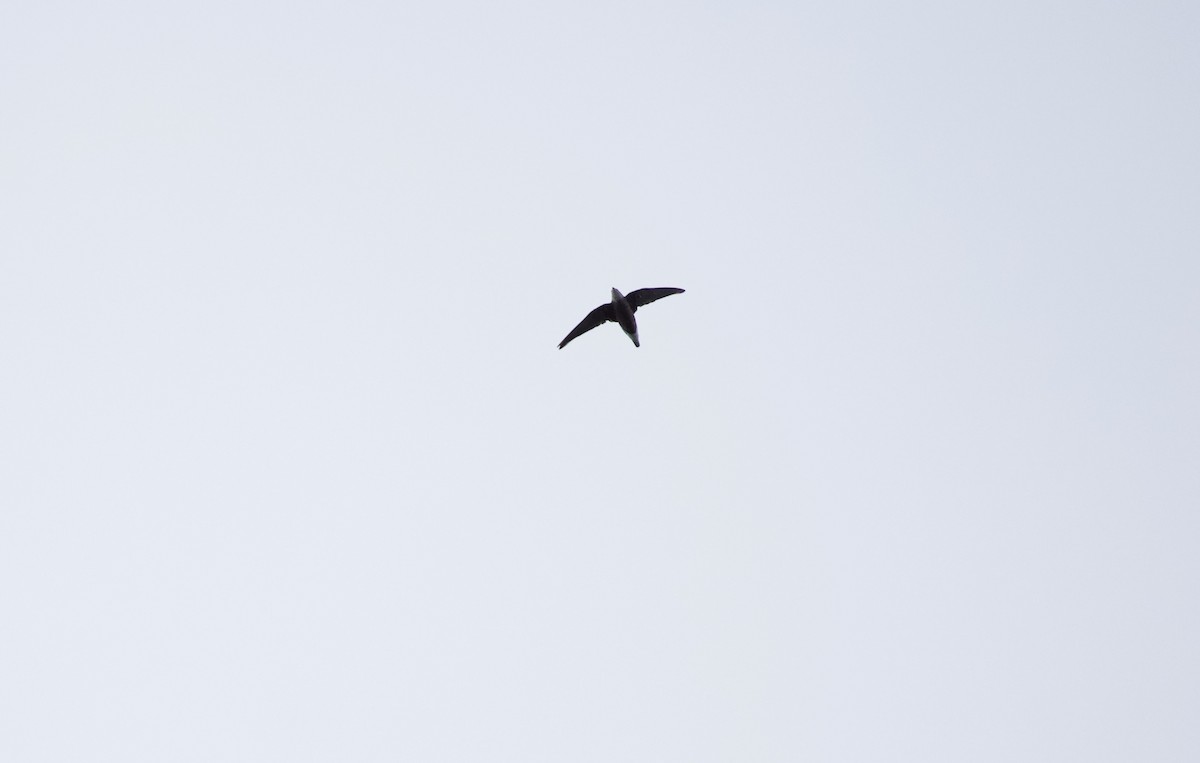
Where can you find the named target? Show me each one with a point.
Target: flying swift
(620, 311)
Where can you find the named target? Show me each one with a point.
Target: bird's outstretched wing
(645, 296)
(595, 318)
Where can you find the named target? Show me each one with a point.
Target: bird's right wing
(646, 296)
(595, 318)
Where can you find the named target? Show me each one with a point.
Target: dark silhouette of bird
(620, 311)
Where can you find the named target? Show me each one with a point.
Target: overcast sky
(291, 468)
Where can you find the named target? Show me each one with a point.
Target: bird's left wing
(646, 296)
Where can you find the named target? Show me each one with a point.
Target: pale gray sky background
(290, 468)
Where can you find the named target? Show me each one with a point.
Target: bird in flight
(621, 311)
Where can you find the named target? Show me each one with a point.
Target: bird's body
(620, 311)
